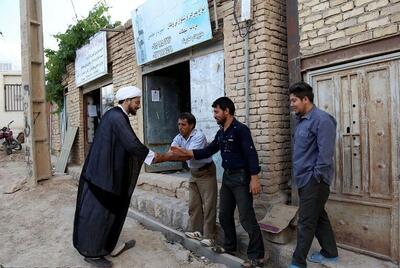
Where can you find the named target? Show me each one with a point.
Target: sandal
(207, 242)
(123, 247)
(253, 263)
(221, 250)
(194, 235)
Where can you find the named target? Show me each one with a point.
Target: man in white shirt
(202, 184)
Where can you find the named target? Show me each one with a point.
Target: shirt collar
(233, 124)
(120, 106)
(191, 134)
(308, 115)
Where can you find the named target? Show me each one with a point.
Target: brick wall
(269, 114)
(332, 24)
(55, 131)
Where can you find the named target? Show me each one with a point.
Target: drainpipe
(246, 76)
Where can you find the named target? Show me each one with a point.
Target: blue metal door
(161, 110)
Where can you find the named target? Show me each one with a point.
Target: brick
(336, 35)
(340, 42)
(319, 24)
(392, 9)
(362, 2)
(331, 12)
(353, 13)
(313, 18)
(368, 17)
(327, 30)
(311, 3)
(348, 6)
(320, 7)
(376, 5)
(361, 37)
(307, 27)
(385, 31)
(334, 19)
(378, 23)
(395, 18)
(355, 29)
(347, 23)
(317, 49)
(317, 41)
(337, 2)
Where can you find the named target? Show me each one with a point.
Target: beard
(132, 111)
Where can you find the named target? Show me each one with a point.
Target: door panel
(206, 85)
(161, 110)
(378, 112)
(363, 205)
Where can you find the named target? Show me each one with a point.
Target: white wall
(6, 117)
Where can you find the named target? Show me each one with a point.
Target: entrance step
(168, 210)
(175, 185)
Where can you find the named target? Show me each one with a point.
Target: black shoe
(100, 262)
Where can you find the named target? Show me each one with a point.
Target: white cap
(128, 92)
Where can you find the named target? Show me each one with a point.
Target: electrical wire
(247, 28)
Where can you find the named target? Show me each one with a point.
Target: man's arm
(249, 151)
(326, 137)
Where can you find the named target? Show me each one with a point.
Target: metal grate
(13, 99)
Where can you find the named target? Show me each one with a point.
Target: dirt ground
(36, 227)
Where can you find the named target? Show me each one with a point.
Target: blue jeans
(235, 192)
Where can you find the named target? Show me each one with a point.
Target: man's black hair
(301, 90)
(224, 103)
(189, 118)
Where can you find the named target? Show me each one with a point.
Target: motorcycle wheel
(16, 145)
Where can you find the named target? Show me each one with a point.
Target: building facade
(11, 101)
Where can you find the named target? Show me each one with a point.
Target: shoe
(122, 247)
(293, 266)
(253, 263)
(100, 262)
(194, 235)
(317, 257)
(207, 242)
(220, 250)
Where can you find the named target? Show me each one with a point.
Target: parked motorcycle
(9, 143)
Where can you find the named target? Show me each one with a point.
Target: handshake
(174, 154)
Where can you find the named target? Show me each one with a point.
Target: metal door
(206, 85)
(363, 205)
(161, 110)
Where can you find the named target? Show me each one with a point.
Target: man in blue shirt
(240, 179)
(313, 151)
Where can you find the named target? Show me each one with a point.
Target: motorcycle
(9, 143)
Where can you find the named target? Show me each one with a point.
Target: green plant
(74, 37)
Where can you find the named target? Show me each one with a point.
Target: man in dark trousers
(240, 179)
(313, 150)
(107, 181)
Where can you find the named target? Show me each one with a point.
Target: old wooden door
(363, 205)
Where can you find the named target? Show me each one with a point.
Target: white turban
(128, 92)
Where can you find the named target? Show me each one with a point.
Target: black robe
(107, 181)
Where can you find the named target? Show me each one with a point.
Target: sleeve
(208, 151)
(199, 141)
(249, 151)
(128, 138)
(326, 137)
(175, 141)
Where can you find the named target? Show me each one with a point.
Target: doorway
(166, 95)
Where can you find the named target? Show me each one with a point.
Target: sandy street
(36, 227)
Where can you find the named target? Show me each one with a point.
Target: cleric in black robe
(108, 179)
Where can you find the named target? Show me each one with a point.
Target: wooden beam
(33, 81)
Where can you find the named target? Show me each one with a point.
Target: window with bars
(13, 99)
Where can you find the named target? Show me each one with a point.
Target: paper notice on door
(92, 110)
(155, 95)
(149, 158)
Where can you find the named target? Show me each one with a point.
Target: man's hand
(255, 187)
(179, 151)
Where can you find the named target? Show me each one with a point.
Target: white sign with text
(91, 60)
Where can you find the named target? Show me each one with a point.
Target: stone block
(385, 31)
(376, 5)
(378, 23)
